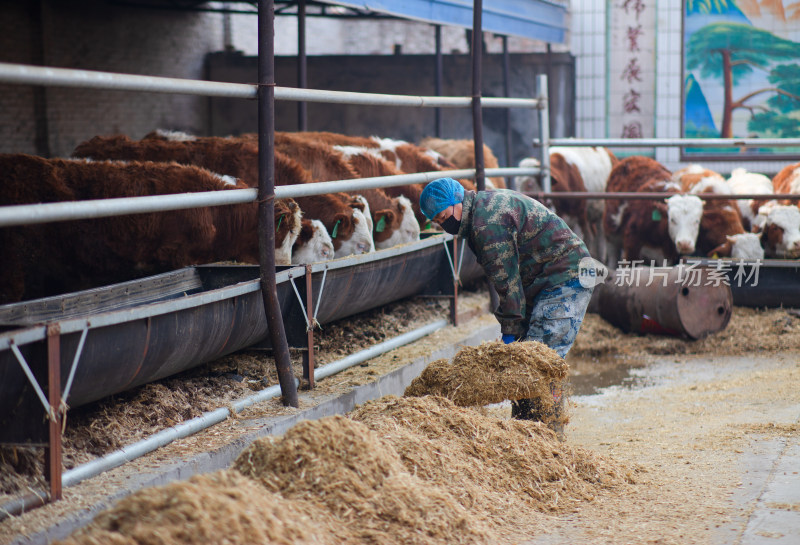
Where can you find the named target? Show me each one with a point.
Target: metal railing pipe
(544, 131)
(667, 142)
(376, 99)
(89, 79)
(29, 214)
(377, 350)
(656, 196)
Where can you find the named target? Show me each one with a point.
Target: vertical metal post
(53, 452)
(308, 367)
(438, 80)
(454, 300)
(266, 199)
(477, 118)
(544, 130)
(302, 64)
(510, 182)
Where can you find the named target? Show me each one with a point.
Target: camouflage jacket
(522, 246)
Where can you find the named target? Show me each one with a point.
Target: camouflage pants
(556, 318)
(557, 315)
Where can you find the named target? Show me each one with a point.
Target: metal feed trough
(108, 340)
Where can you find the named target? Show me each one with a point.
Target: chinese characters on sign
(632, 68)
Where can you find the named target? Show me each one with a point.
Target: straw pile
(344, 467)
(498, 469)
(493, 372)
(221, 507)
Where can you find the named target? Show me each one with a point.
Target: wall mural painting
(741, 67)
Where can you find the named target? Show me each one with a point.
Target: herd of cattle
(56, 258)
(679, 224)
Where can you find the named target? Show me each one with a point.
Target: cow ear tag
(656, 215)
(335, 229)
(381, 225)
(280, 219)
(427, 225)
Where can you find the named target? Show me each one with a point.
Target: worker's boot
(531, 409)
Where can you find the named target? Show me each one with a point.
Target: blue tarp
(536, 19)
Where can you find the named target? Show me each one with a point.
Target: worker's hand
(508, 339)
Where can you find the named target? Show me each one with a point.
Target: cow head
(740, 246)
(314, 244)
(780, 234)
(357, 238)
(288, 217)
(401, 224)
(684, 213)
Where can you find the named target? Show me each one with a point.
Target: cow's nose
(685, 247)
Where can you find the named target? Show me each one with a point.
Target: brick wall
(97, 36)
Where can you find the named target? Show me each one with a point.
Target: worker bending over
(531, 257)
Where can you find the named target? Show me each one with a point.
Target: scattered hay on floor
(501, 470)
(220, 507)
(344, 467)
(493, 372)
(18, 466)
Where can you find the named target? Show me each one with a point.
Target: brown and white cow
(391, 218)
(576, 169)
(646, 228)
(61, 257)
(780, 228)
(461, 153)
(313, 244)
(722, 232)
(239, 158)
(743, 182)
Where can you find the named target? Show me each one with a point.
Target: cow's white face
(683, 216)
(318, 248)
(407, 231)
(367, 212)
(746, 246)
(361, 241)
(787, 218)
(528, 183)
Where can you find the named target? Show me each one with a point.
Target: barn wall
(98, 36)
(404, 75)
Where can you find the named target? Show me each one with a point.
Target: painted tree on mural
(781, 122)
(730, 51)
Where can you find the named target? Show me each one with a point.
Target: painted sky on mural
(781, 18)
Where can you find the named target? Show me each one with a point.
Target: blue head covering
(438, 195)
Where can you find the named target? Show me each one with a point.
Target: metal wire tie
(450, 261)
(51, 414)
(68, 387)
(319, 295)
(300, 299)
